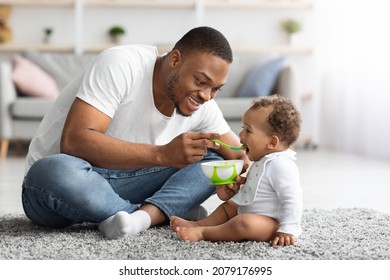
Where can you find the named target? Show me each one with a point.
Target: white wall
(28, 23)
(165, 26)
(241, 25)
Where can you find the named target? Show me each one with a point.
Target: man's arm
(84, 136)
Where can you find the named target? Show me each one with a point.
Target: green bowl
(223, 171)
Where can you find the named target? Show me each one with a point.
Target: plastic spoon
(228, 146)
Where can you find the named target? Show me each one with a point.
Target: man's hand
(283, 239)
(187, 148)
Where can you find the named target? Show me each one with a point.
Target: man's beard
(171, 93)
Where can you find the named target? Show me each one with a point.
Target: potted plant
(116, 32)
(291, 27)
(47, 32)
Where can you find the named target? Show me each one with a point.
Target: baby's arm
(287, 186)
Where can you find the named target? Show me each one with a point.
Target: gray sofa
(232, 106)
(21, 116)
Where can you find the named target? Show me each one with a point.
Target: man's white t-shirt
(119, 84)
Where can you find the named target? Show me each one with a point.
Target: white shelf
(102, 3)
(98, 48)
(298, 50)
(39, 3)
(10, 47)
(101, 47)
(140, 4)
(282, 49)
(261, 4)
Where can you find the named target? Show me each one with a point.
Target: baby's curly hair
(284, 120)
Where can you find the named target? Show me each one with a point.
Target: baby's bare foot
(175, 222)
(190, 234)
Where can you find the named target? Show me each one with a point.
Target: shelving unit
(276, 49)
(281, 4)
(276, 4)
(141, 4)
(40, 47)
(259, 4)
(39, 3)
(13, 47)
(199, 7)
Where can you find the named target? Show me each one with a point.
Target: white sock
(123, 224)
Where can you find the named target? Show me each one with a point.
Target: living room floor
(329, 180)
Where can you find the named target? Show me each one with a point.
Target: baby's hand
(283, 239)
(240, 180)
(227, 191)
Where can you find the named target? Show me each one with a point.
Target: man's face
(196, 80)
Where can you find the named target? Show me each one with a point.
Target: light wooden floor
(329, 180)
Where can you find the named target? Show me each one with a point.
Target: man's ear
(273, 142)
(174, 58)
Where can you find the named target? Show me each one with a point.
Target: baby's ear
(273, 142)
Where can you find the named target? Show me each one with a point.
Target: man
(123, 143)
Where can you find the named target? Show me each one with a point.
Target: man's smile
(194, 102)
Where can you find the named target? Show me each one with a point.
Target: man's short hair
(205, 39)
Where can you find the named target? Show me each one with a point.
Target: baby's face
(254, 134)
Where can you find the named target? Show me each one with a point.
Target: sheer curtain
(353, 59)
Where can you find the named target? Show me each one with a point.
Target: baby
(267, 205)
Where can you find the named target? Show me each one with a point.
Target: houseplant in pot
(291, 27)
(47, 34)
(116, 32)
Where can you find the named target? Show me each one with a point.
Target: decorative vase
(292, 39)
(116, 39)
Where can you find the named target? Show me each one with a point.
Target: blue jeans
(62, 190)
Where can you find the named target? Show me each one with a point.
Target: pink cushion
(31, 80)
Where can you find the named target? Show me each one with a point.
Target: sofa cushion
(30, 107)
(233, 108)
(31, 80)
(262, 78)
(63, 67)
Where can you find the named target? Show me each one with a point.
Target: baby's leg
(252, 227)
(223, 213)
(175, 222)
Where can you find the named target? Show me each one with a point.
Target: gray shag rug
(338, 234)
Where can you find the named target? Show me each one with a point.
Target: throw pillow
(63, 67)
(31, 80)
(262, 78)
